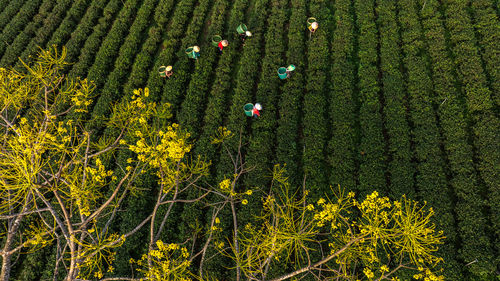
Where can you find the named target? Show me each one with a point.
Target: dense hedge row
(18, 22)
(246, 80)
(10, 9)
(371, 149)
(143, 63)
(175, 87)
(288, 148)
(111, 47)
(4, 4)
(22, 40)
(430, 177)
(400, 169)
(218, 98)
(171, 46)
(90, 37)
(112, 89)
(50, 24)
(341, 146)
(194, 103)
(486, 24)
(314, 107)
(260, 151)
(471, 222)
(78, 11)
(485, 124)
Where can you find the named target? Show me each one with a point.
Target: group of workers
(194, 53)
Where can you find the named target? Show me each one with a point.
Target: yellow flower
(368, 273)
(244, 202)
(224, 185)
(249, 192)
(321, 201)
(310, 207)
(384, 268)
(217, 220)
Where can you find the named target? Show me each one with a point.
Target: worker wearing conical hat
(313, 26)
(168, 71)
(222, 44)
(244, 35)
(196, 52)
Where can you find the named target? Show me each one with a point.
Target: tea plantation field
(400, 96)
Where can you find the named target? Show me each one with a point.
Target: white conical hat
(196, 48)
(258, 106)
(169, 68)
(314, 25)
(248, 33)
(225, 43)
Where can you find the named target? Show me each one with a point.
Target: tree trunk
(6, 252)
(4, 276)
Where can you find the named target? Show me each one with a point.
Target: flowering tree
(58, 187)
(384, 236)
(55, 187)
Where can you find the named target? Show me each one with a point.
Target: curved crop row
(79, 12)
(242, 93)
(91, 38)
(399, 167)
(480, 108)
(260, 151)
(145, 58)
(192, 107)
(173, 44)
(53, 21)
(88, 34)
(20, 42)
(111, 46)
(20, 20)
(314, 122)
(486, 24)
(341, 148)
(430, 177)
(218, 97)
(112, 88)
(176, 85)
(371, 149)
(9, 11)
(471, 222)
(288, 148)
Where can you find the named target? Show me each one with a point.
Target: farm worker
(196, 52)
(222, 44)
(244, 36)
(168, 71)
(256, 109)
(313, 27)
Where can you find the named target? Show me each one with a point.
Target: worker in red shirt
(256, 109)
(222, 44)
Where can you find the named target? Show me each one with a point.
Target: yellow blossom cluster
(166, 262)
(222, 135)
(85, 195)
(98, 254)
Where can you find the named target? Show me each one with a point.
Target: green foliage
(470, 219)
(372, 147)
(342, 152)
(21, 19)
